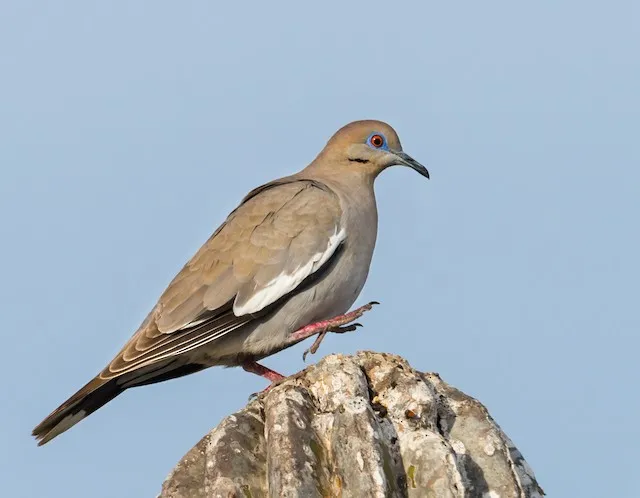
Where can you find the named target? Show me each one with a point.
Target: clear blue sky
(128, 131)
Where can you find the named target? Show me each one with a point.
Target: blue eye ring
(377, 141)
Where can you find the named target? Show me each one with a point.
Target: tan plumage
(257, 278)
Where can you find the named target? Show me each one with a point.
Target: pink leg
(335, 325)
(267, 373)
(262, 371)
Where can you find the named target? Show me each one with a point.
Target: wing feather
(280, 235)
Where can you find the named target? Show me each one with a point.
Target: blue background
(129, 130)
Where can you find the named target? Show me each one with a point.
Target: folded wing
(281, 234)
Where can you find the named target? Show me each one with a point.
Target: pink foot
(335, 325)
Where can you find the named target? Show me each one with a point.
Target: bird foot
(338, 325)
(253, 396)
(336, 330)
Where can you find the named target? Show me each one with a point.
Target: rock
(366, 425)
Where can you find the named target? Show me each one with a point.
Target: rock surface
(366, 425)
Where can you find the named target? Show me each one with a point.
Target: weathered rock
(356, 426)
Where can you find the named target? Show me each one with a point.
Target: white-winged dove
(294, 253)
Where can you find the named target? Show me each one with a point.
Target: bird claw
(266, 389)
(314, 347)
(336, 330)
(346, 328)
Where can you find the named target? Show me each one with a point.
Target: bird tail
(97, 393)
(100, 391)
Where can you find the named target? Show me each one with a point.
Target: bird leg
(262, 371)
(271, 375)
(337, 325)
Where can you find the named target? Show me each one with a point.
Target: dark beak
(407, 160)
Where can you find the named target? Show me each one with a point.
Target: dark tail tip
(87, 400)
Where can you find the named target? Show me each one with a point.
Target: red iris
(377, 141)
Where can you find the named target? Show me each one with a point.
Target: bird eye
(377, 141)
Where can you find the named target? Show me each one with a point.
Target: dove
(287, 264)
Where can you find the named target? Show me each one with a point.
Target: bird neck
(341, 174)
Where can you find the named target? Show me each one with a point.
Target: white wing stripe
(285, 283)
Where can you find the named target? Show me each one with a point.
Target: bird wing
(280, 234)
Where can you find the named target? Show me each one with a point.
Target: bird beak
(406, 160)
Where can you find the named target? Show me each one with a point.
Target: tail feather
(100, 391)
(87, 400)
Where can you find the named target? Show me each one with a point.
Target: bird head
(369, 147)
